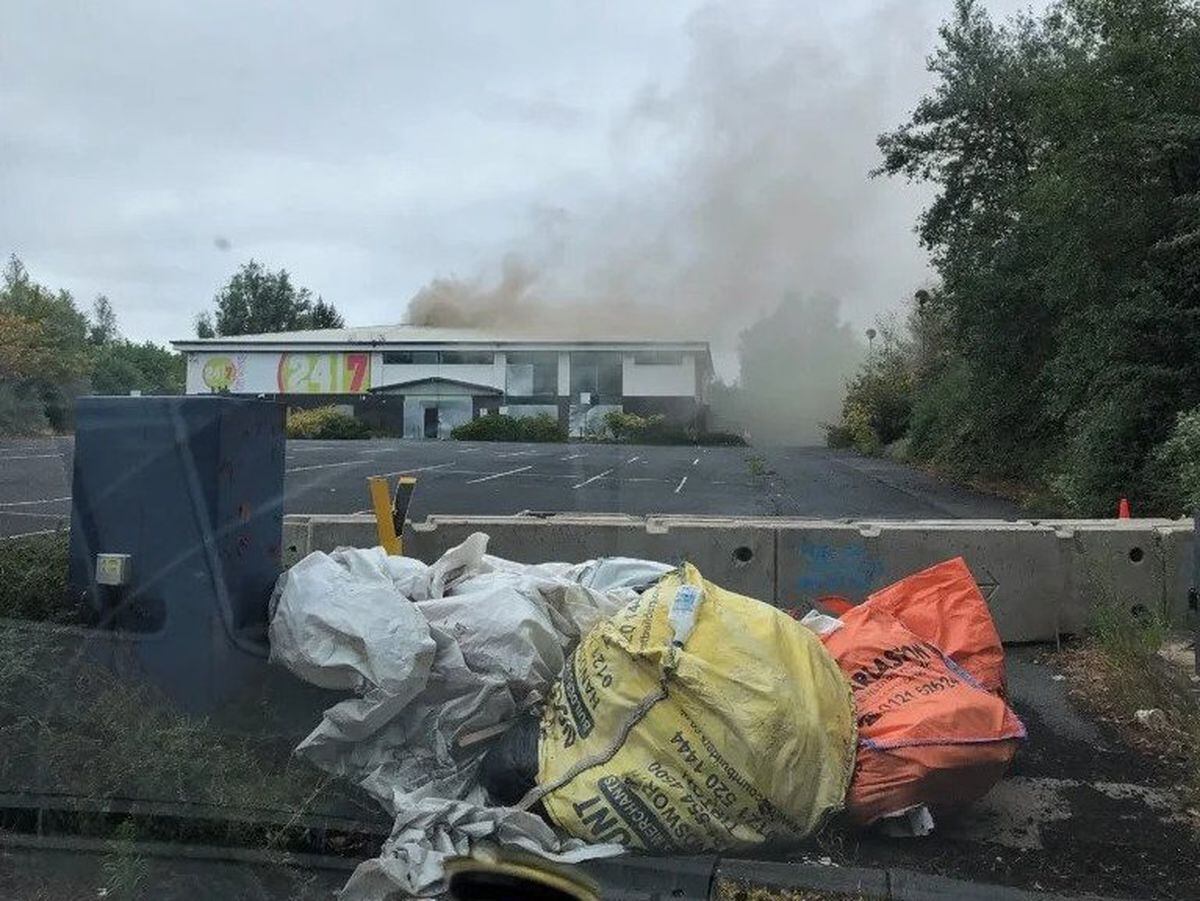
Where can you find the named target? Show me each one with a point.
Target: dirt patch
(1149, 702)
(734, 890)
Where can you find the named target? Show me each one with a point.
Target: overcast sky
(149, 148)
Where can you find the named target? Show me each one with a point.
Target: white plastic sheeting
(435, 655)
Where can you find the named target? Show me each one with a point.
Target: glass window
(596, 372)
(409, 357)
(658, 358)
(467, 357)
(527, 374)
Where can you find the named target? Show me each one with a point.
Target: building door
(431, 422)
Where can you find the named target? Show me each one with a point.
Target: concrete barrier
(1042, 578)
(738, 555)
(1019, 566)
(1176, 546)
(1118, 561)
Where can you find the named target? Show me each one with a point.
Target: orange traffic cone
(1123, 509)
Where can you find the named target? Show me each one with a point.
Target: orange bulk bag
(945, 607)
(930, 730)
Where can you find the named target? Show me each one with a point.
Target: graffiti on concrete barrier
(841, 569)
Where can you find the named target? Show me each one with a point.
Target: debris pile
(578, 710)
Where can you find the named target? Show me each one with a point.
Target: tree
(1065, 151)
(793, 364)
(325, 316)
(104, 322)
(55, 331)
(255, 300)
(122, 366)
(44, 354)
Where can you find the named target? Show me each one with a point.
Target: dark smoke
(769, 137)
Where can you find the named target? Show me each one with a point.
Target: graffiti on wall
(318, 373)
(224, 373)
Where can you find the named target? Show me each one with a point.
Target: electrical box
(176, 527)
(113, 569)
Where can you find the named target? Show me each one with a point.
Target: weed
(33, 579)
(1118, 671)
(1127, 632)
(123, 870)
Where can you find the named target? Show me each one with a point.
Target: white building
(422, 382)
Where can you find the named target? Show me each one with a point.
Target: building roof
(436, 381)
(383, 336)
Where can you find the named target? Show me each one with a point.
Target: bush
(33, 579)
(878, 404)
(1177, 462)
(22, 411)
(654, 429)
(497, 427)
(721, 439)
(325, 423)
(543, 428)
(838, 436)
(625, 426)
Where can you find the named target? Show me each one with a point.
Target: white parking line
(499, 475)
(31, 457)
(49, 500)
(697, 460)
(524, 453)
(29, 534)
(328, 465)
(573, 457)
(592, 479)
(33, 515)
(632, 460)
(405, 472)
(682, 482)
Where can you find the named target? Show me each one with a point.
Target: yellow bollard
(385, 523)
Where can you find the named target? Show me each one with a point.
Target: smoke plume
(745, 185)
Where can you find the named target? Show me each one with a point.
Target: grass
(757, 466)
(123, 873)
(736, 890)
(33, 579)
(73, 728)
(1117, 671)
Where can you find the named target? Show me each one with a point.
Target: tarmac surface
(1080, 814)
(500, 478)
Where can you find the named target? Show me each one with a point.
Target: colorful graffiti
(315, 373)
(221, 373)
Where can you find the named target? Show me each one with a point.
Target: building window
(435, 357)
(410, 357)
(596, 372)
(658, 358)
(529, 374)
(467, 358)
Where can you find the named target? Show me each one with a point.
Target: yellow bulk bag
(696, 719)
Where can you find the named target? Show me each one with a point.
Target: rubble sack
(926, 666)
(696, 719)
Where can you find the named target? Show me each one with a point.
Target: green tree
(256, 300)
(104, 322)
(1065, 150)
(44, 351)
(122, 366)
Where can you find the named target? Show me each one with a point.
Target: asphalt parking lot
(496, 478)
